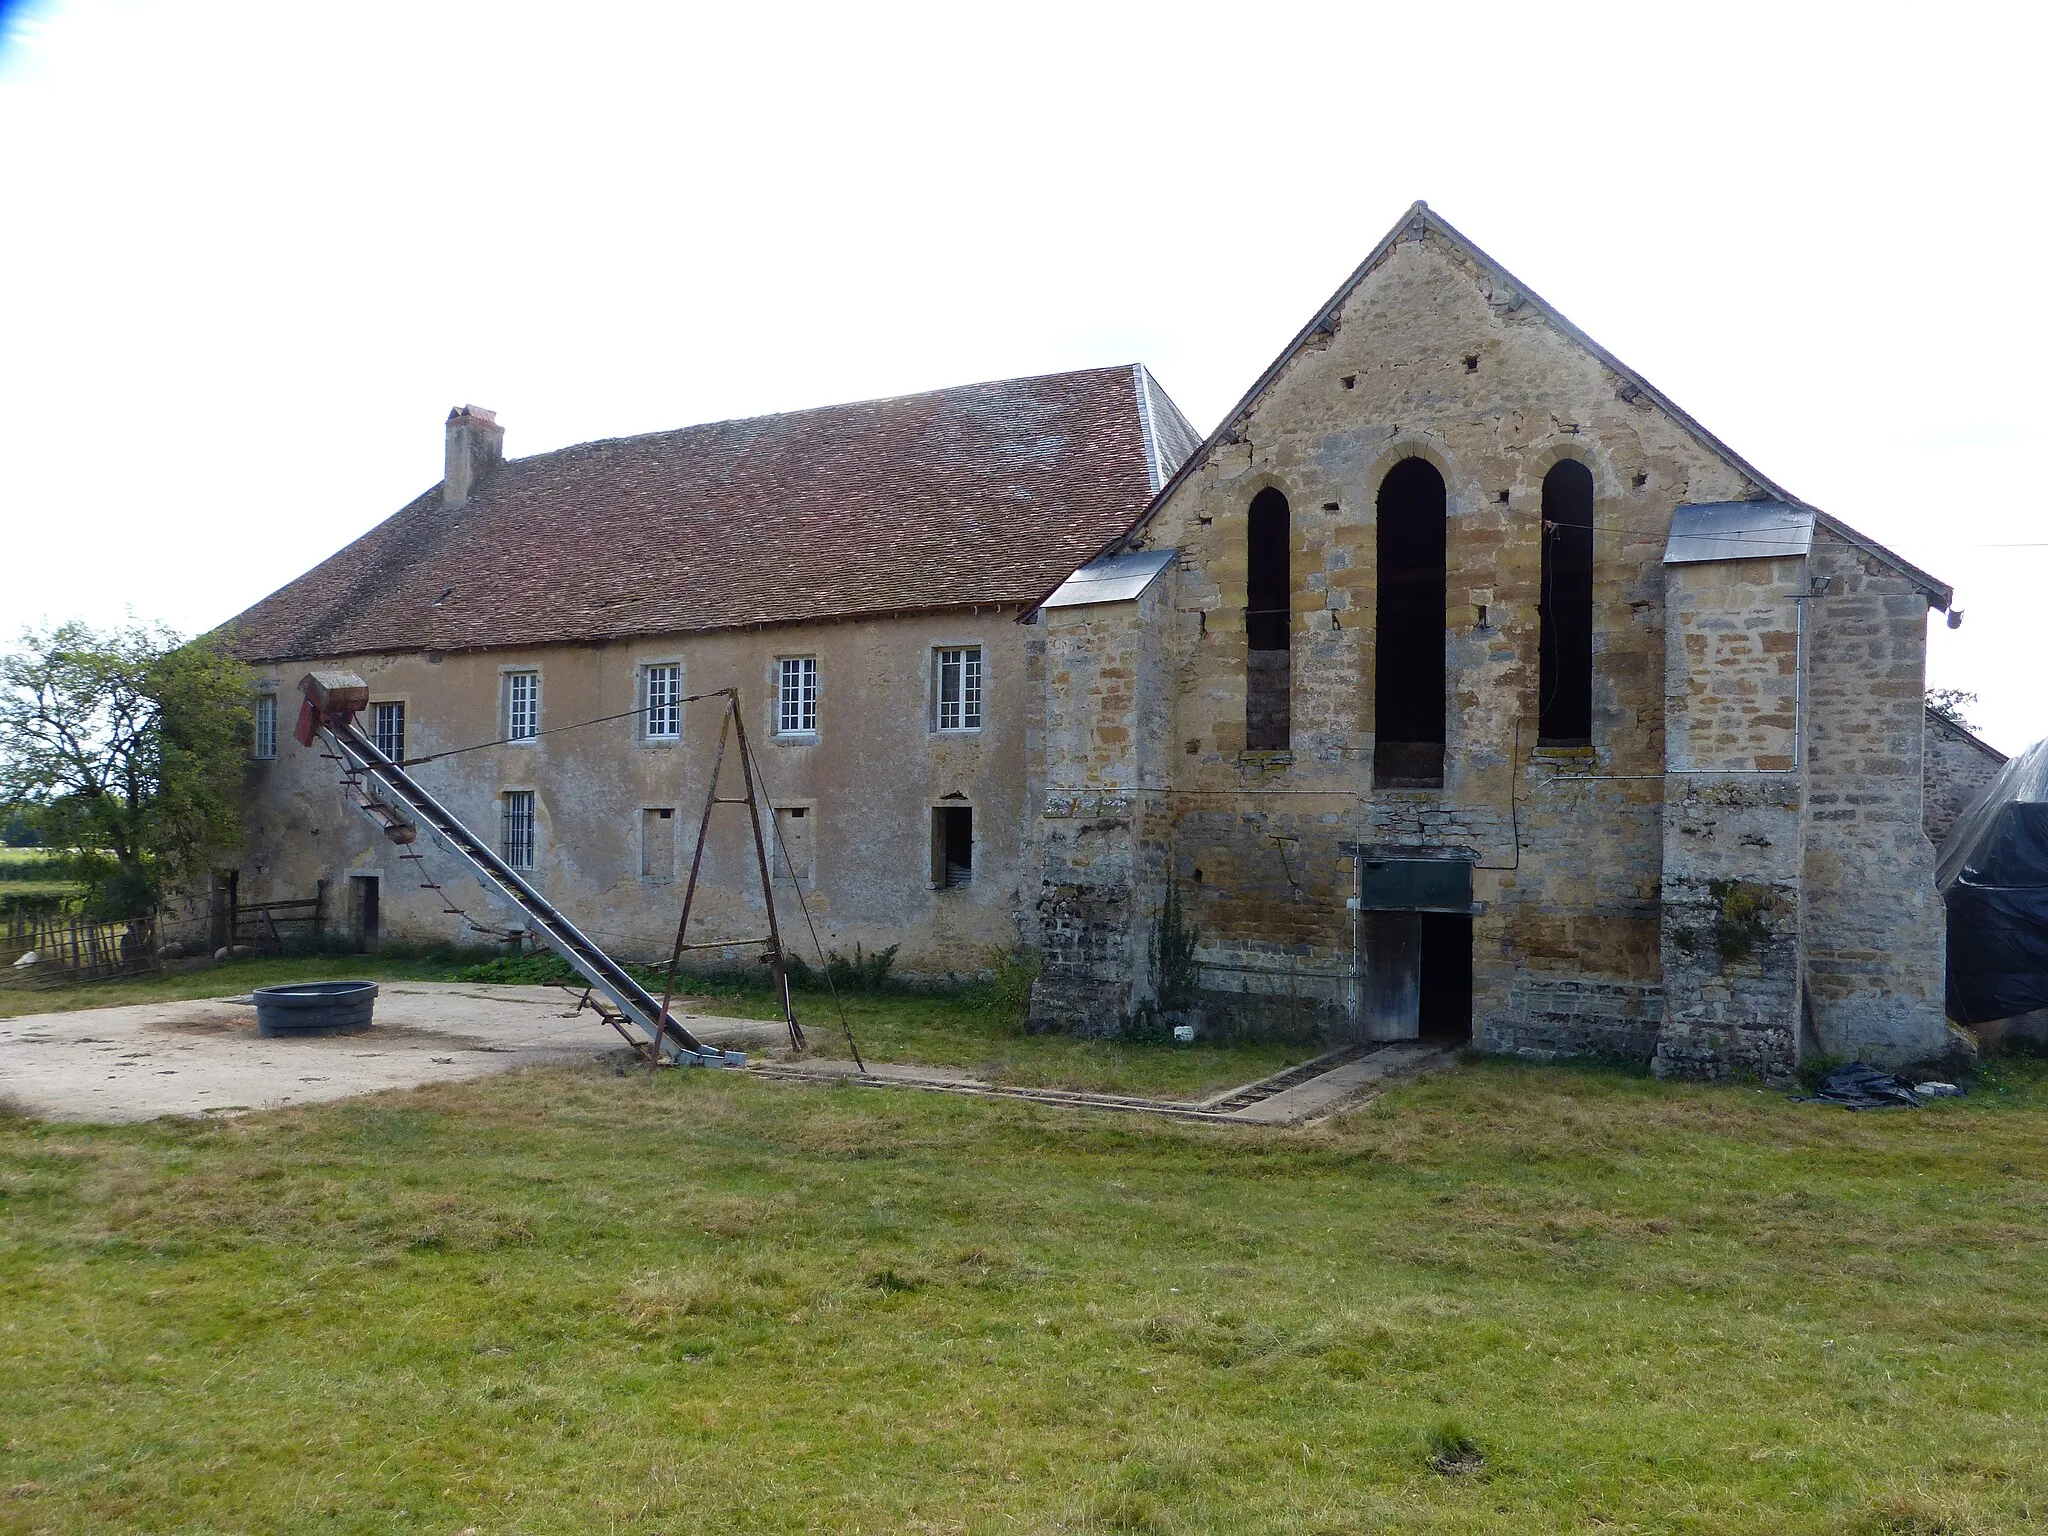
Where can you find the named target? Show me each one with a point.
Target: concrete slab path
(112, 1065)
(1325, 1095)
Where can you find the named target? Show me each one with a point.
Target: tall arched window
(1408, 670)
(1565, 713)
(1268, 596)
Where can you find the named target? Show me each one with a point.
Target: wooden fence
(72, 948)
(265, 925)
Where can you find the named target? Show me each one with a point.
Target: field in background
(1502, 1299)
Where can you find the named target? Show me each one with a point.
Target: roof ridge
(818, 410)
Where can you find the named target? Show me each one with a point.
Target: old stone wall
(1956, 768)
(1876, 931)
(1433, 357)
(1099, 844)
(1732, 860)
(869, 782)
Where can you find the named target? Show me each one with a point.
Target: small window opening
(1267, 623)
(522, 706)
(1502, 498)
(1408, 668)
(952, 845)
(515, 833)
(265, 745)
(390, 730)
(796, 696)
(956, 692)
(1350, 381)
(1565, 717)
(1471, 363)
(662, 703)
(1642, 478)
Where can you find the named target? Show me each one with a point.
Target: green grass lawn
(568, 1301)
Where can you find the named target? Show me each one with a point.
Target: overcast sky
(251, 254)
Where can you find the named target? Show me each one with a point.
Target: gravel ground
(204, 1057)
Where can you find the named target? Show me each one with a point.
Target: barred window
(958, 689)
(390, 722)
(796, 702)
(266, 726)
(664, 702)
(515, 842)
(522, 706)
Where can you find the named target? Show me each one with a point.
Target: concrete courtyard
(204, 1057)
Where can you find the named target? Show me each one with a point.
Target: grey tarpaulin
(1993, 873)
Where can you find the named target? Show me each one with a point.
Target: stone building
(1466, 686)
(855, 572)
(1959, 765)
(1459, 684)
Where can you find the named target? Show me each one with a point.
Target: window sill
(796, 738)
(661, 743)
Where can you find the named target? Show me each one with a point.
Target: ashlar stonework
(1731, 870)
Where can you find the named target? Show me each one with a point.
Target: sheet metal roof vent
(1738, 530)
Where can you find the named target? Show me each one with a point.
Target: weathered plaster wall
(1876, 931)
(871, 777)
(1428, 358)
(1956, 769)
(1732, 862)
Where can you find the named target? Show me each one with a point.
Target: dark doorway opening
(1267, 625)
(226, 897)
(953, 842)
(1446, 1002)
(363, 916)
(1408, 669)
(1565, 718)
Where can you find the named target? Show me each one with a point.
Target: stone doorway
(1413, 976)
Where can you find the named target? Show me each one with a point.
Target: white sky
(251, 254)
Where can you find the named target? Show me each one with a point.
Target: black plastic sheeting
(1856, 1086)
(1993, 873)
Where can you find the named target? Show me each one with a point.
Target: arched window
(1268, 597)
(1565, 712)
(1408, 669)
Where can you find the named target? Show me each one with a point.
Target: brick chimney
(475, 445)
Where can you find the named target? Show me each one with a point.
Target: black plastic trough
(315, 1008)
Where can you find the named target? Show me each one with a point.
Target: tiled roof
(985, 494)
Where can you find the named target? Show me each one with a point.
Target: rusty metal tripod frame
(733, 726)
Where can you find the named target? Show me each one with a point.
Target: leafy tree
(127, 746)
(1949, 703)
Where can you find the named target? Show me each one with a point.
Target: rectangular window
(796, 696)
(663, 687)
(658, 845)
(515, 841)
(958, 689)
(522, 706)
(952, 846)
(390, 720)
(266, 726)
